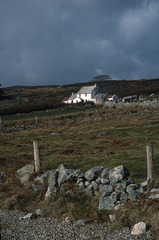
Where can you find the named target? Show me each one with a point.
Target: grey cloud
(67, 41)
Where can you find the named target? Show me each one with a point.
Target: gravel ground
(13, 227)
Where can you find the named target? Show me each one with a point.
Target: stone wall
(148, 104)
(114, 186)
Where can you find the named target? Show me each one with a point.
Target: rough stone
(106, 188)
(154, 196)
(155, 190)
(37, 187)
(52, 178)
(81, 185)
(115, 196)
(62, 177)
(50, 191)
(43, 178)
(105, 181)
(139, 228)
(29, 216)
(94, 185)
(112, 217)
(133, 196)
(118, 173)
(87, 183)
(105, 173)
(131, 188)
(118, 206)
(98, 180)
(24, 173)
(61, 167)
(39, 211)
(106, 203)
(93, 173)
(123, 196)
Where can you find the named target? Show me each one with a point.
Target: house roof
(86, 90)
(73, 96)
(66, 98)
(99, 95)
(110, 96)
(127, 97)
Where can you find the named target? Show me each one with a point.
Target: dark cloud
(66, 41)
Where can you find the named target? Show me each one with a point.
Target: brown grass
(82, 147)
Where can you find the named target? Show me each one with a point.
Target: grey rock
(93, 173)
(37, 187)
(29, 216)
(39, 211)
(98, 180)
(106, 203)
(112, 217)
(105, 194)
(28, 169)
(94, 185)
(81, 185)
(50, 191)
(120, 188)
(52, 178)
(134, 195)
(123, 197)
(106, 188)
(24, 173)
(131, 188)
(80, 180)
(102, 133)
(144, 185)
(140, 190)
(77, 174)
(105, 173)
(87, 183)
(43, 178)
(61, 167)
(105, 181)
(118, 206)
(115, 196)
(155, 190)
(118, 173)
(154, 196)
(62, 177)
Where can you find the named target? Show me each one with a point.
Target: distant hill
(25, 99)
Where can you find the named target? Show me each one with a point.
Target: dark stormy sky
(46, 42)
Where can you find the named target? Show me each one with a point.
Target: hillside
(19, 99)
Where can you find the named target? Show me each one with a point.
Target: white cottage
(85, 94)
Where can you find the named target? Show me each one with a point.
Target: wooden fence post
(36, 120)
(36, 156)
(0, 124)
(150, 179)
